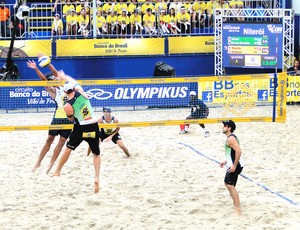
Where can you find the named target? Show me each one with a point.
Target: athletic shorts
(88, 133)
(115, 138)
(232, 177)
(63, 132)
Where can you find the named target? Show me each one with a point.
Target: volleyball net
(151, 102)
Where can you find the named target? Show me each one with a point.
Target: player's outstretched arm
(50, 89)
(52, 69)
(31, 64)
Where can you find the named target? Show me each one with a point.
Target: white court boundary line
(245, 176)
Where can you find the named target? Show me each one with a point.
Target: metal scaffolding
(285, 16)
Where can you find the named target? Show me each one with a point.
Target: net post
(281, 96)
(275, 97)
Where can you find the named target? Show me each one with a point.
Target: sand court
(164, 185)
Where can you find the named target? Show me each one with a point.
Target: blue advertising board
(171, 94)
(252, 45)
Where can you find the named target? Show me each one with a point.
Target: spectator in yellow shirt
(67, 8)
(135, 23)
(57, 26)
(80, 7)
(84, 23)
(199, 6)
(236, 4)
(72, 22)
(147, 6)
(188, 6)
(224, 5)
(198, 9)
(98, 8)
(132, 6)
(173, 22)
(121, 6)
(123, 23)
(109, 7)
(211, 5)
(161, 5)
(183, 19)
(164, 20)
(206, 19)
(149, 22)
(101, 23)
(176, 4)
(112, 21)
(87, 9)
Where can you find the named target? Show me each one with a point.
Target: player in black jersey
(198, 111)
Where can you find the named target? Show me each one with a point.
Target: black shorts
(88, 133)
(232, 177)
(115, 138)
(63, 132)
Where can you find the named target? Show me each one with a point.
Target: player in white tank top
(59, 117)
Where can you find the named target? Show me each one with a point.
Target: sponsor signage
(236, 91)
(173, 94)
(199, 44)
(245, 90)
(110, 47)
(26, 48)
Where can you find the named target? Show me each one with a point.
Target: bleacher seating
(40, 20)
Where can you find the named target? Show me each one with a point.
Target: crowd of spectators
(136, 17)
(131, 18)
(121, 18)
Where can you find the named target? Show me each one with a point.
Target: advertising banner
(110, 47)
(261, 90)
(238, 91)
(25, 97)
(26, 48)
(199, 44)
(293, 88)
(173, 94)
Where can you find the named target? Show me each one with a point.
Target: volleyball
(44, 61)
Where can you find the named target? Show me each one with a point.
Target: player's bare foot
(35, 168)
(96, 186)
(238, 212)
(48, 169)
(55, 174)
